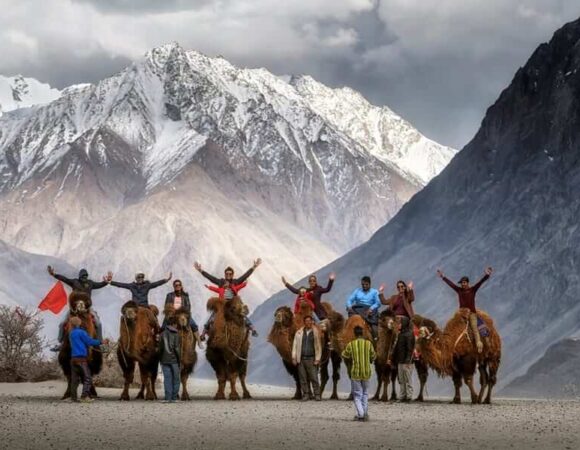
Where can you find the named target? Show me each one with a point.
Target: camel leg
(184, 376)
(221, 378)
(467, 368)
(483, 380)
(336, 360)
(422, 373)
(377, 395)
(468, 378)
(492, 379)
(324, 375)
(128, 368)
(233, 377)
(385, 381)
(394, 373)
(457, 384)
(68, 388)
(146, 376)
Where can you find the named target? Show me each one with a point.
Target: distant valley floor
(31, 416)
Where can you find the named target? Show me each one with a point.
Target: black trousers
(80, 371)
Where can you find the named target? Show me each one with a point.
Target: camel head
(129, 311)
(182, 318)
(79, 302)
(283, 316)
(234, 309)
(168, 311)
(387, 320)
(427, 329)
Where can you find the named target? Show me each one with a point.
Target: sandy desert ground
(32, 416)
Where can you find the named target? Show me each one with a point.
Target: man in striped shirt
(361, 354)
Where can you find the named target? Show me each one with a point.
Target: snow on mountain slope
(19, 92)
(386, 135)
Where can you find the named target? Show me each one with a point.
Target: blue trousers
(360, 397)
(171, 380)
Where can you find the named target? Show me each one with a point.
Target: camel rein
(231, 349)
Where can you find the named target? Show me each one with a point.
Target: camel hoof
(487, 401)
(384, 399)
(150, 398)
(139, 397)
(185, 397)
(65, 396)
(297, 397)
(219, 397)
(456, 401)
(247, 395)
(419, 399)
(125, 397)
(234, 396)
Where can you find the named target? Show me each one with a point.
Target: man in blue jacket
(365, 302)
(80, 341)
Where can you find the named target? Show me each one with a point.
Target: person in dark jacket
(228, 285)
(179, 299)
(466, 296)
(140, 287)
(170, 357)
(80, 341)
(81, 284)
(315, 293)
(403, 356)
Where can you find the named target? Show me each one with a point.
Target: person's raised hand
(50, 270)
(197, 266)
(382, 288)
(488, 271)
(257, 262)
(410, 285)
(332, 276)
(169, 276)
(284, 280)
(439, 273)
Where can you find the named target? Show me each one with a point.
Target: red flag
(55, 300)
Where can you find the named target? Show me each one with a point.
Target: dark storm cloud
(438, 63)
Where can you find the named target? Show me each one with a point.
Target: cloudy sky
(439, 64)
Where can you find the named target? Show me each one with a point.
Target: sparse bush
(111, 375)
(21, 346)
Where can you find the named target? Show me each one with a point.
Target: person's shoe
(165, 401)
(366, 418)
(405, 400)
(305, 398)
(87, 400)
(318, 398)
(55, 348)
(356, 419)
(254, 333)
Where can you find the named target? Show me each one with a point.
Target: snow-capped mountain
(19, 92)
(509, 199)
(181, 157)
(386, 135)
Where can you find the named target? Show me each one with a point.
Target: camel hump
(328, 308)
(214, 303)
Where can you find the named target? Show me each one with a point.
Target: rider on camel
(81, 284)
(227, 288)
(466, 294)
(365, 302)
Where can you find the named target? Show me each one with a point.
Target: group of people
(364, 301)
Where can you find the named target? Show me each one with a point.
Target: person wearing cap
(80, 341)
(466, 297)
(81, 284)
(140, 287)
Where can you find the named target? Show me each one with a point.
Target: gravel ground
(31, 416)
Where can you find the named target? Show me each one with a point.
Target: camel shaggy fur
(228, 346)
(79, 304)
(138, 345)
(452, 352)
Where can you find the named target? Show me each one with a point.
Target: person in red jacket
(466, 294)
(226, 292)
(303, 296)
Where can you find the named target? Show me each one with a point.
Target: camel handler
(362, 353)
(306, 354)
(81, 284)
(80, 341)
(226, 288)
(466, 294)
(403, 356)
(365, 302)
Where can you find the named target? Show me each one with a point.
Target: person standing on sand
(361, 353)
(403, 356)
(466, 296)
(306, 354)
(80, 341)
(170, 357)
